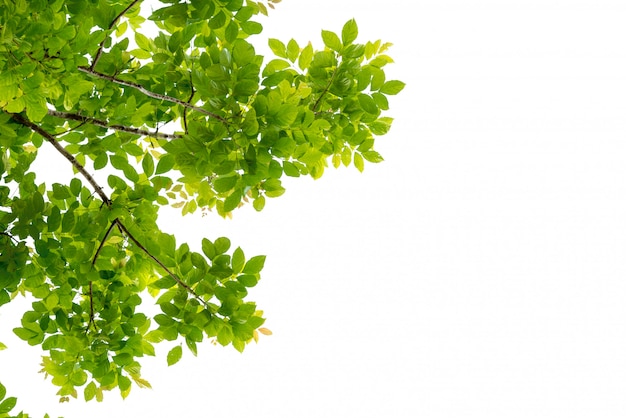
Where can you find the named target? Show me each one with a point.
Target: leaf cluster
(186, 114)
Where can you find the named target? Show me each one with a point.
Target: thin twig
(188, 101)
(10, 236)
(113, 23)
(105, 124)
(91, 310)
(79, 167)
(160, 263)
(152, 94)
(319, 99)
(93, 263)
(104, 240)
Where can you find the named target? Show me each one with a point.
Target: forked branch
(37, 129)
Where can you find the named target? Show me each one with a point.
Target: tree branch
(163, 266)
(113, 23)
(105, 124)
(152, 94)
(37, 129)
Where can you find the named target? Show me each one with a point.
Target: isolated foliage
(168, 104)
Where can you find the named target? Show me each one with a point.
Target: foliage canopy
(171, 106)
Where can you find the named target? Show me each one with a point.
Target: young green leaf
(349, 32)
(331, 40)
(174, 355)
(238, 260)
(392, 87)
(7, 405)
(254, 265)
(278, 47)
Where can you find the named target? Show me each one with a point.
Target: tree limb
(113, 23)
(152, 94)
(37, 129)
(105, 124)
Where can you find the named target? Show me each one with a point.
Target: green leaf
(368, 104)
(251, 28)
(358, 161)
(208, 248)
(293, 50)
(36, 107)
(222, 244)
(372, 156)
(248, 280)
(306, 56)
(2, 347)
(24, 334)
(238, 260)
(7, 405)
(259, 203)
(165, 164)
(243, 52)
(225, 335)
(349, 32)
(174, 355)
(392, 87)
(254, 265)
(142, 41)
(147, 164)
(331, 40)
(123, 359)
(233, 200)
(277, 47)
(164, 283)
(100, 161)
(90, 391)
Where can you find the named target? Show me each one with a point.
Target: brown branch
(78, 166)
(113, 23)
(152, 94)
(160, 263)
(105, 124)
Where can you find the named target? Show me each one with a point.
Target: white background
(477, 272)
